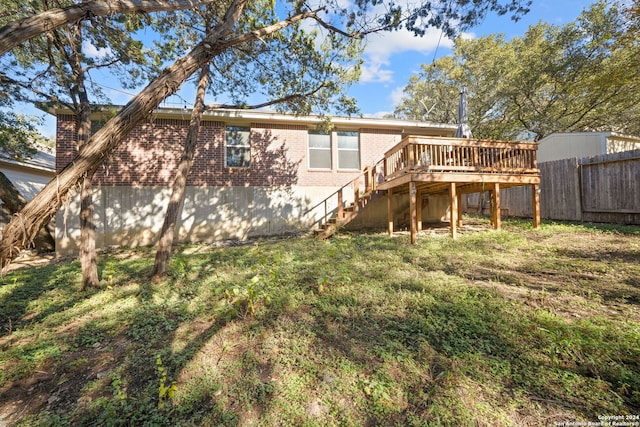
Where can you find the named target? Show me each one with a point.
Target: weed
(166, 391)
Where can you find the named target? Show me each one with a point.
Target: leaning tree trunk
(13, 202)
(26, 223)
(177, 194)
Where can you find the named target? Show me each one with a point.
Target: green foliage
(18, 135)
(489, 329)
(582, 76)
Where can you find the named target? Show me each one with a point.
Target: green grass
(512, 328)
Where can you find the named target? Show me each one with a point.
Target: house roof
(229, 115)
(238, 116)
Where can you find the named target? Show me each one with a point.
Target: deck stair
(338, 213)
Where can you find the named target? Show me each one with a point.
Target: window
(348, 150)
(319, 150)
(237, 147)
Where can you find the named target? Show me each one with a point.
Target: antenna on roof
(425, 111)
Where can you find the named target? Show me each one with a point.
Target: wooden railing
(434, 154)
(361, 186)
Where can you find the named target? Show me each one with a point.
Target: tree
(334, 18)
(177, 192)
(55, 67)
(294, 71)
(582, 76)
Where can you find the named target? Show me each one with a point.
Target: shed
(565, 145)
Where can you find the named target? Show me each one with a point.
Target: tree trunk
(10, 196)
(177, 194)
(37, 212)
(17, 32)
(87, 225)
(13, 202)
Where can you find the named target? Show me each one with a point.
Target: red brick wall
(149, 155)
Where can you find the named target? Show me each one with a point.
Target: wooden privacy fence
(592, 189)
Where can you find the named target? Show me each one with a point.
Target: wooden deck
(454, 166)
(423, 166)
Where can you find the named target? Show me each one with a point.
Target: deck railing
(435, 154)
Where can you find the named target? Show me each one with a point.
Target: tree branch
(17, 32)
(287, 98)
(5, 80)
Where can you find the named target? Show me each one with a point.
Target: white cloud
(373, 72)
(382, 46)
(90, 50)
(396, 95)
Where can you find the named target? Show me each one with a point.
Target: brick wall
(150, 153)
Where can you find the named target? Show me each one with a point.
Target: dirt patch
(60, 384)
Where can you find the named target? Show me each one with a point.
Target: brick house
(255, 173)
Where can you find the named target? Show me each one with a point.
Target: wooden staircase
(364, 190)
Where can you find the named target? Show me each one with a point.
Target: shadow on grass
(382, 332)
(58, 283)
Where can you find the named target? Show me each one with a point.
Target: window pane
(319, 140)
(319, 159)
(348, 159)
(238, 157)
(237, 141)
(237, 136)
(348, 140)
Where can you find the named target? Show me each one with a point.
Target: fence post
(578, 189)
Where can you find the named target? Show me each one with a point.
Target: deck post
(453, 210)
(390, 211)
(535, 193)
(411, 155)
(496, 218)
(419, 211)
(459, 210)
(413, 217)
(340, 204)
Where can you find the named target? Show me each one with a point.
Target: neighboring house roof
(29, 176)
(44, 160)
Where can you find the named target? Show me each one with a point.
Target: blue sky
(391, 58)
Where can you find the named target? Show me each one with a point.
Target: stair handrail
(370, 180)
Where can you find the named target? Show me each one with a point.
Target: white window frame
(246, 146)
(310, 149)
(338, 149)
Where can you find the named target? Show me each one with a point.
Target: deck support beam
(390, 211)
(413, 217)
(453, 210)
(535, 197)
(496, 218)
(459, 209)
(419, 211)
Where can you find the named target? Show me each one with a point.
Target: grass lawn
(520, 327)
